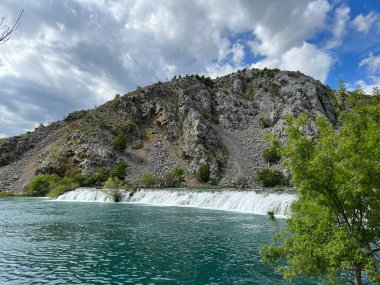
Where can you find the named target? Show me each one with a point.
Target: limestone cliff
(185, 122)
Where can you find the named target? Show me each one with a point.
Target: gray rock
(182, 123)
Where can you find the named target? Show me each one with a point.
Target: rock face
(184, 123)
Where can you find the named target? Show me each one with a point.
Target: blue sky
(69, 55)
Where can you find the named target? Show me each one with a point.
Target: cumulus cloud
(306, 58)
(368, 87)
(371, 62)
(339, 27)
(69, 55)
(364, 23)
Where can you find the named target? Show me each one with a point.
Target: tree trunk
(358, 276)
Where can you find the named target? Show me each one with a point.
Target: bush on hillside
(97, 178)
(173, 178)
(41, 184)
(150, 180)
(118, 170)
(120, 142)
(203, 174)
(62, 185)
(272, 153)
(112, 188)
(270, 177)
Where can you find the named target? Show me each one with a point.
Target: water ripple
(83, 243)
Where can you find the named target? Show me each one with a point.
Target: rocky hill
(185, 123)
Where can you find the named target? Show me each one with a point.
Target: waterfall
(85, 195)
(257, 202)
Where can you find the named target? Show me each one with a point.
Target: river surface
(54, 242)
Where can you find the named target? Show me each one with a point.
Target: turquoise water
(47, 242)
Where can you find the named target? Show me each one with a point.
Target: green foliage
(118, 170)
(61, 186)
(375, 91)
(205, 80)
(112, 188)
(204, 186)
(173, 178)
(203, 174)
(97, 178)
(359, 99)
(272, 153)
(6, 194)
(270, 177)
(335, 224)
(150, 180)
(51, 185)
(113, 183)
(342, 87)
(271, 216)
(41, 184)
(267, 72)
(120, 142)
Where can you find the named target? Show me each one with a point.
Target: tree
(118, 170)
(6, 30)
(334, 229)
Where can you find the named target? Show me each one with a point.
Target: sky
(69, 55)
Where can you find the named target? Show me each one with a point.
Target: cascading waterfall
(257, 202)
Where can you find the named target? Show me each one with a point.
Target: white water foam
(85, 195)
(257, 202)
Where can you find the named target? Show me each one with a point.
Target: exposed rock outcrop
(184, 123)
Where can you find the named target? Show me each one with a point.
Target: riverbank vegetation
(334, 229)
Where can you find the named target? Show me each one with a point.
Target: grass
(6, 194)
(204, 186)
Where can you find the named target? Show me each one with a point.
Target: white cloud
(72, 54)
(306, 58)
(286, 26)
(368, 87)
(339, 27)
(216, 70)
(372, 62)
(238, 54)
(364, 23)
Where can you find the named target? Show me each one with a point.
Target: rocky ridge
(185, 122)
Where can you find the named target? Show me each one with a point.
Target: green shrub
(173, 178)
(113, 183)
(149, 180)
(112, 188)
(63, 185)
(97, 178)
(41, 184)
(272, 153)
(118, 170)
(120, 141)
(204, 186)
(205, 80)
(203, 174)
(270, 177)
(6, 194)
(267, 72)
